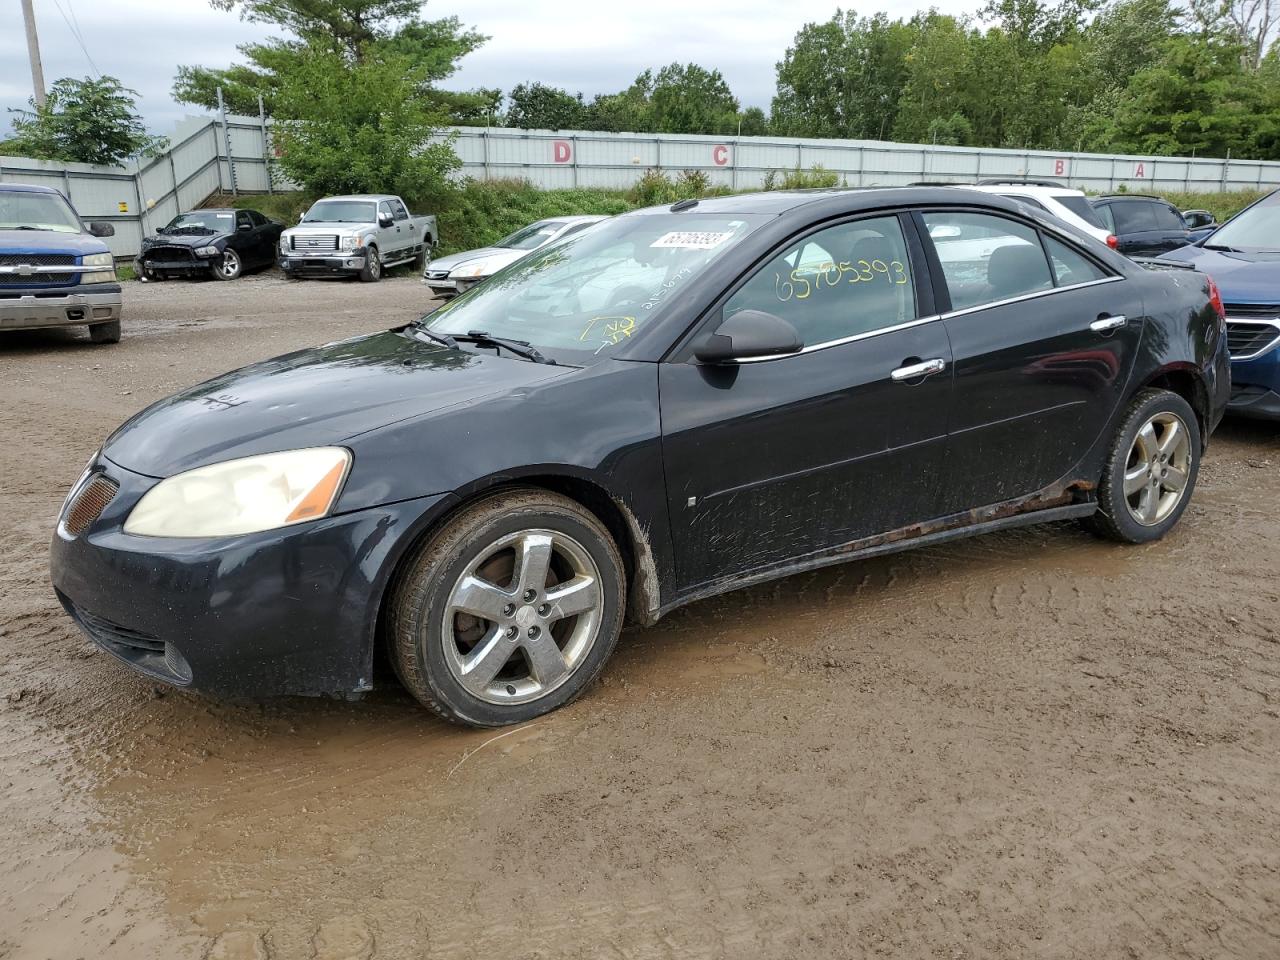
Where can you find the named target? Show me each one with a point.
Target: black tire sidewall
(428, 640)
(217, 269)
(366, 272)
(1112, 500)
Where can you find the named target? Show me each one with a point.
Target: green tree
(536, 106)
(630, 110)
(687, 98)
(344, 127)
(939, 80)
(753, 122)
(352, 31)
(85, 121)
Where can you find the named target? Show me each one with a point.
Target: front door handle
(1105, 324)
(913, 371)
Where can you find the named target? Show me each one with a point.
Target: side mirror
(747, 334)
(385, 221)
(302, 216)
(100, 228)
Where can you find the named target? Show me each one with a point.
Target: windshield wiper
(521, 348)
(442, 338)
(1219, 246)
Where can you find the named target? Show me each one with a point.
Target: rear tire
(544, 627)
(1151, 469)
(105, 332)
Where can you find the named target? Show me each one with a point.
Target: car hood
(49, 241)
(191, 240)
(1241, 277)
(501, 256)
(326, 395)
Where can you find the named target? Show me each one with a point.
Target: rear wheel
(105, 332)
(372, 270)
(510, 611)
(1151, 469)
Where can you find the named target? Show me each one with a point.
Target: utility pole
(33, 51)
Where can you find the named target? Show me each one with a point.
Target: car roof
(27, 188)
(1027, 190)
(362, 196)
(836, 200)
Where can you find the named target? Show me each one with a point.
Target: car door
(245, 241)
(407, 231)
(1173, 229)
(1043, 337)
(771, 459)
(389, 241)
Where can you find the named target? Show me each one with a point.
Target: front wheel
(510, 611)
(1151, 469)
(105, 332)
(371, 272)
(229, 267)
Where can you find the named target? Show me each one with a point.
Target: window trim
(921, 284)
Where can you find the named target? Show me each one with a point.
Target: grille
(1249, 311)
(88, 504)
(1246, 339)
(168, 253)
(38, 260)
(437, 274)
(314, 243)
(112, 634)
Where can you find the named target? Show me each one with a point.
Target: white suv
(1071, 206)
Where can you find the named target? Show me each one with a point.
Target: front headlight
(481, 269)
(243, 496)
(209, 251)
(99, 276)
(352, 243)
(284, 244)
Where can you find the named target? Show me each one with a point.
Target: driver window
(840, 282)
(243, 221)
(384, 210)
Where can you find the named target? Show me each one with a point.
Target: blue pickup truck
(1243, 258)
(55, 271)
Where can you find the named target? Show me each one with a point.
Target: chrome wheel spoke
(1149, 504)
(1159, 470)
(1175, 479)
(546, 662)
(1148, 445)
(480, 598)
(1136, 478)
(482, 664)
(1174, 438)
(533, 562)
(572, 598)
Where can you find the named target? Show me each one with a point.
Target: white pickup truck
(357, 235)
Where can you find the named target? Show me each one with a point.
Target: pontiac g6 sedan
(679, 402)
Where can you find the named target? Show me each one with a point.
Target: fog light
(102, 311)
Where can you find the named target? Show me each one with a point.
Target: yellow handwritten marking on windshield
(801, 283)
(614, 329)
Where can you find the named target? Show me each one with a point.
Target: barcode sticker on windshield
(691, 240)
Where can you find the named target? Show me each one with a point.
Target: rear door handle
(922, 369)
(1107, 324)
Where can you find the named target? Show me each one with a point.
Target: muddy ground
(1027, 745)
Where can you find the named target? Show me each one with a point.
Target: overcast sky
(585, 45)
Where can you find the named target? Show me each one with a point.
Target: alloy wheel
(375, 264)
(522, 616)
(1157, 469)
(229, 267)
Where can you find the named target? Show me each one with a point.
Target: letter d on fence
(563, 153)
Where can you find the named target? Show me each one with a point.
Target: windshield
(202, 221)
(342, 211)
(20, 210)
(1256, 228)
(580, 298)
(1083, 209)
(531, 237)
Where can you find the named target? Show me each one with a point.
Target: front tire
(229, 267)
(371, 272)
(510, 611)
(105, 332)
(1151, 469)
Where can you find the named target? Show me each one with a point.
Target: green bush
(1221, 205)
(816, 177)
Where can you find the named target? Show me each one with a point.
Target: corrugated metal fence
(553, 159)
(139, 198)
(204, 157)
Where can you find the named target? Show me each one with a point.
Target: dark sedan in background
(1143, 226)
(221, 244)
(675, 403)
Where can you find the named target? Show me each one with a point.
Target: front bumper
(195, 267)
(329, 265)
(289, 611)
(59, 306)
(1255, 386)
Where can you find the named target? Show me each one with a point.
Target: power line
(76, 35)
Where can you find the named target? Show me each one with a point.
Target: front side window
(986, 258)
(243, 221)
(840, 282)
(581, 298)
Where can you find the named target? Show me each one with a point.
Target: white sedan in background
(459, 272)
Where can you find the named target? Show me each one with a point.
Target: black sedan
(677, 403)
(221, 244)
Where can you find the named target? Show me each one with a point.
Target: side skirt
(878, 546)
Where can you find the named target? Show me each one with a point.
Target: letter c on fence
(563, 152)
(1059, 167)
(720, 155)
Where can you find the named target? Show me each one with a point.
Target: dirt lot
(1021, 746)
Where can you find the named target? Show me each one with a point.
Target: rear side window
(242, 220)
(839, 282)
(1083, 209)
(398, 211)
(987, 258)
(1069, 266)
(1104, 213)
(1168, 218)
(1134, 216)
(257, 218)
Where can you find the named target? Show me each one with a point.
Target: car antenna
(680, 205)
